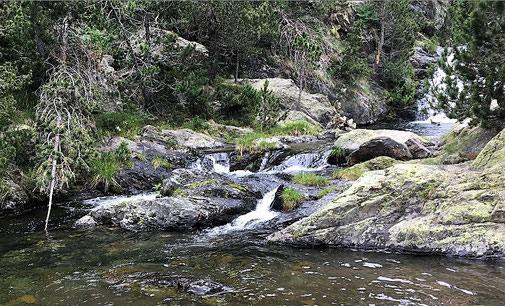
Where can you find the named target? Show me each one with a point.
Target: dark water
(108, 266)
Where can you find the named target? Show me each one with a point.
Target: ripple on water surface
(105, 266)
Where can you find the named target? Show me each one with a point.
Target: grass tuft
(291, 198)
(159, 162)
(310, 179)
(296, 128)
(104, 169)
(325, 191)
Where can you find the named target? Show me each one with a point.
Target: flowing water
(108, 266)
(230, 264)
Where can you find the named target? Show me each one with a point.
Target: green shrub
(310, 179)
(105, 167)
(7, 155)
(120, 124)
(291, 198)
(123, 153)
(197, 124)
(159, 162)
(239, 101)
(248, 142)
(337, 155)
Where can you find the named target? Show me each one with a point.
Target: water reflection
(110, 266)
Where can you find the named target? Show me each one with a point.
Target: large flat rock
(449, 209)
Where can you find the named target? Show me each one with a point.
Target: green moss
(325, 191)
(140, 156)
(350, 174)
(159, 162)
(179, 192)
(238, 187)
(310, 179)
(467, 213)
(355, 172)
(427, 192)
(202, 183)
(291, 198)
(492, 154)
(170, 144)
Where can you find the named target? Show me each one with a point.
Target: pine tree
(478, 39)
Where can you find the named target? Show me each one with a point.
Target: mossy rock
(493, 153)
(451, 209)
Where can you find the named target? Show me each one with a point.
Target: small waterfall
(307, 162)
(220, 162)
(216, 162)
(425, 112)
(261, 214)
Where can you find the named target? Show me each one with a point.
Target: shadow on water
(106, 266)
(111, 266)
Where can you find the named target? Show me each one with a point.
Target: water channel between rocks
(230, 263)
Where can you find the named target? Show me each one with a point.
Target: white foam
(96, 202)
(261, 214)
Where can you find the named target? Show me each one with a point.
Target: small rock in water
(86, 221)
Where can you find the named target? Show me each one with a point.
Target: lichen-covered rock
(492, 154)
(193, 140)
(293, 116)
(144, 174)
(452, 209)
(361, 145)
(379, 146)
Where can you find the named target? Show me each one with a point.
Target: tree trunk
(300, 90)
(381, 44)
(64, 40)
(237, 66)
(56, 150)
(383, 30)
(147, 92)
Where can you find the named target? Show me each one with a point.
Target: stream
(231, 263)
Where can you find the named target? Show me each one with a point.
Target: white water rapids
(120, 199)
(261, 214)
(437, 84)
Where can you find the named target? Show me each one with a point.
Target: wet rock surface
(362, 145)
(454, 210)
(169, 213)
